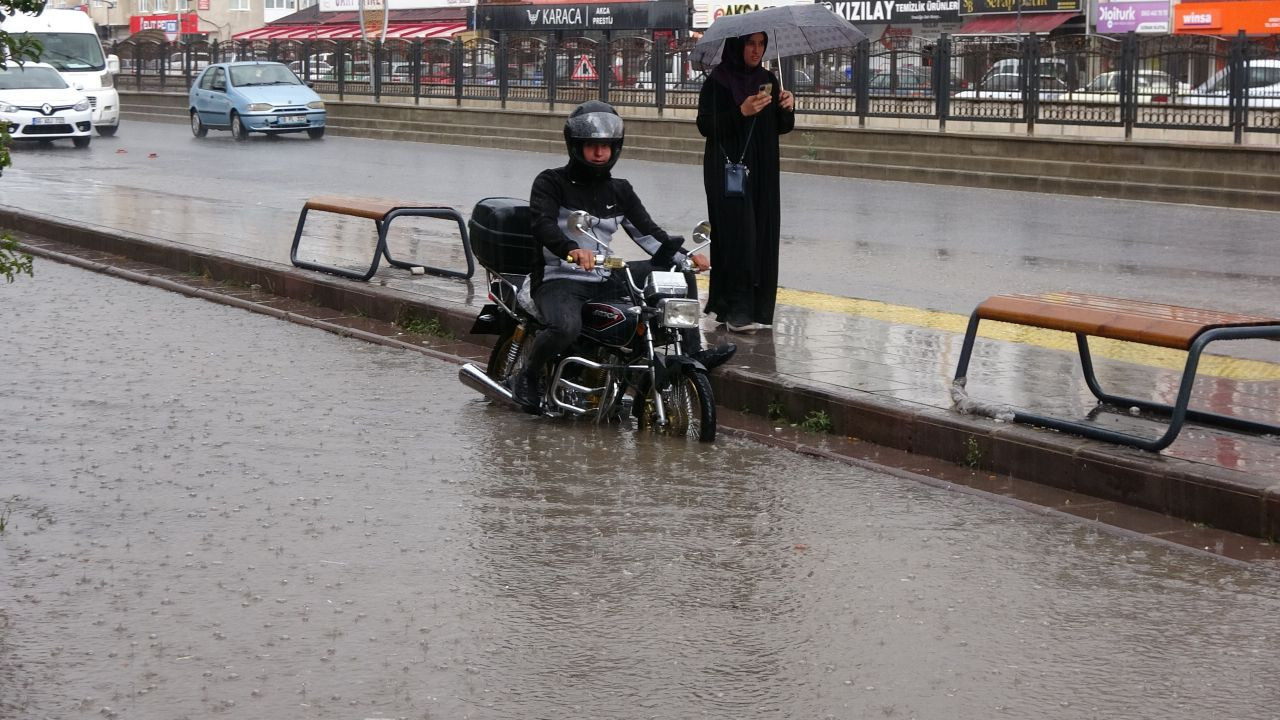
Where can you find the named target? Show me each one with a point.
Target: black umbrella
(792, 30)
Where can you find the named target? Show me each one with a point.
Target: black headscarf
(732, 71)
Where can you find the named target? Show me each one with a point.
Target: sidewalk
(879, 380)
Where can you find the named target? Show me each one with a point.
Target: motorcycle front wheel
(690, 407)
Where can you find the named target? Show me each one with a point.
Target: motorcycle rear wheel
(690, 406)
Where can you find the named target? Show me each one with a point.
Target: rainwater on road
(210, 513)
(923, 246)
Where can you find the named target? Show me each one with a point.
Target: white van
(71, 45)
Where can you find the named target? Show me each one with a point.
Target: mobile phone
(766, 88)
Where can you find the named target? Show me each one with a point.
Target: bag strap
(745, 145)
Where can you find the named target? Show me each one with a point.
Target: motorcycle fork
(653, 381)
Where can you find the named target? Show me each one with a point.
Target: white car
(37, 104)
(1004, 86)
(1152, 86)
(1261, 83)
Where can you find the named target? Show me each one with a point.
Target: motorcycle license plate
(55, 120)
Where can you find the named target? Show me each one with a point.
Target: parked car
(37, 104)
(177, 66)
(1261, 82)
(1005, 87)
(315, 70)
(1152, 86)
(248, 97)
(909, 81)
(1049, 67)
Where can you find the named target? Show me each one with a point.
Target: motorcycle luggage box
(501, 235)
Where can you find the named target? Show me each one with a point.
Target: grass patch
(420, 325)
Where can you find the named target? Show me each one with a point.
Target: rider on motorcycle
(569, 277)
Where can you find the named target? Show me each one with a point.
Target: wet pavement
(211, 513)
(919, 266)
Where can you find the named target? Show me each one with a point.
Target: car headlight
(108, 80)
(679, 312)
(258, 107)
(81, 106)
(7, 108)
(316, 105)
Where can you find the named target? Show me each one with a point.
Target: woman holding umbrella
(742, 110)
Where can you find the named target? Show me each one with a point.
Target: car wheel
(315, 133)
(82, 142)
(107, 130)
(238, 130)
(197, 127)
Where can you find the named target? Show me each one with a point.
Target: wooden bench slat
(371, 208)
(1169, 326)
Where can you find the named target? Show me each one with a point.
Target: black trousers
(561, 301)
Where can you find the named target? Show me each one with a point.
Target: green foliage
(817, 421)
(12, 262)
(20, 48)
(777, 411)
(4, 518)
(810, 146)
(972, 453)
(414, 323)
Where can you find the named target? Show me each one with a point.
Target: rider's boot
(525, 390)
(713, 357)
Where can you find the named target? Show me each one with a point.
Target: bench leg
(443, 214)
(1179, 410)
(378, 252)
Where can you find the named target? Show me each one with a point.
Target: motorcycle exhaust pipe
(473, 377)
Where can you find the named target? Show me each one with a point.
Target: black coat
(745, 230)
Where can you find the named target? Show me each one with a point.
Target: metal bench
(1169, 326)
(381, 212)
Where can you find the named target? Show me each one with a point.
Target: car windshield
(249, 75)
(1001, 82)
(1105, 82)
(30, 78)
(71, 51)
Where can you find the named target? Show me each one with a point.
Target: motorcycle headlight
(258, 107)
(680, 312)
(316, 105)
(81, 106)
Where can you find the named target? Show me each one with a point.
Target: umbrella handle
(777, 62)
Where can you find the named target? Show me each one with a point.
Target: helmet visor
(596, 126)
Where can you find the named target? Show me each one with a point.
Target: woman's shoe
(749, 327)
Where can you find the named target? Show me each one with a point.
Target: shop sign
(896, 11)
(171, 24)
(659, 14)
(1254, 17)
(1140, 16)
(986, 7)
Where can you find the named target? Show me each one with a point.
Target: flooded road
(210, 513)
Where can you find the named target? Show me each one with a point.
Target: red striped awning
(350, 31)
(1013, 23)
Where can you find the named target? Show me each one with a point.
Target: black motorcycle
(629, 361)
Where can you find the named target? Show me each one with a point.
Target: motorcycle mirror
(702, 232)
(580, 221)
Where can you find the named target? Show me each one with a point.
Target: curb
(1204, 494)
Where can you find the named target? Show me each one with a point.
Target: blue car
(247, 97)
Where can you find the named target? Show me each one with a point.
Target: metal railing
(1227, 85)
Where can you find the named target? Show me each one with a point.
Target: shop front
(1252, 17)
(1021, 17)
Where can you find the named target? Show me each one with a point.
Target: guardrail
(1166, 82)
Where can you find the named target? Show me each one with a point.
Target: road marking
(1214, 365)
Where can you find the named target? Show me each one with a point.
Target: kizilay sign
(896, 11)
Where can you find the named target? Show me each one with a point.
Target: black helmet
(593, 121)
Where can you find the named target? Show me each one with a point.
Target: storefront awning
(1013, 23)
(350, 31)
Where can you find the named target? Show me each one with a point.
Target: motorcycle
(628, 362)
